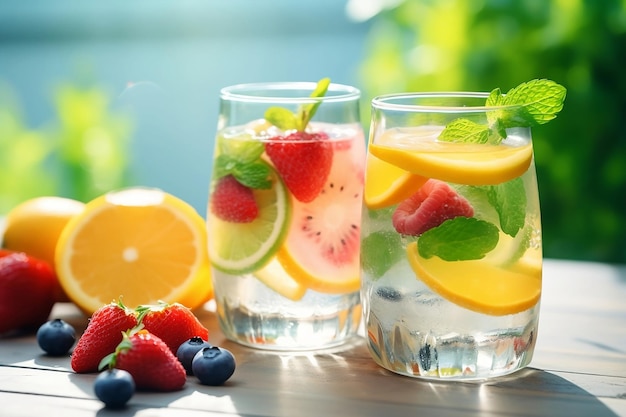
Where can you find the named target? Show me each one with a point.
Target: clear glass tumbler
(284, 214)
(451, 253)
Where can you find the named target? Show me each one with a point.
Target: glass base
(291, 328)
(451, 356)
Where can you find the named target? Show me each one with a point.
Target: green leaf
(253, 175)
(281, 118)
(459, 239)
(284, 119)
(464, 130)
(542, 99)
(533, 103)
(509, 200)
(380, 251)
(495, 98)
(241, 159)
(306, 112)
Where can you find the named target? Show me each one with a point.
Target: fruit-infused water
(451, 240)
(284, 231)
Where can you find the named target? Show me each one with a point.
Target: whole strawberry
(303, 161)
(172, 323)
(233, 202)
(102, 335)
(26, 291)
(149, 360)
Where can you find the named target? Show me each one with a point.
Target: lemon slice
(478, 285)
(140, 244)
(456, 163)
(386, 184)
(276, 278)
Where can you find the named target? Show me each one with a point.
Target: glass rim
(237, 92)
(384, 102)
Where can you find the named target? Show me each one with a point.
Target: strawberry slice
(303, 160)
(233, 201)
(434, 203)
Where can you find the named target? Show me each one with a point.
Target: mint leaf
(495, 98)
(464, 130)
(509, 200)
(380, 251)
(253, 175)
(244, 150)
(241, 159)
(459, 239)
(542, 99)
(533, 103)
(284, 119)
(306, 112)
(281, 118)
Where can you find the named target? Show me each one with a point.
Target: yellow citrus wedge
(275, 277)
(140, 244)
(456, 163)
(477, 285)
(386, 184)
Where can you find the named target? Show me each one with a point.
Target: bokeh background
(95, 96)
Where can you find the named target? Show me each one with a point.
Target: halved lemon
(143, 245)
(477, 285)
(460, 163)
(239, 248)
(276, 278)
(386, 184)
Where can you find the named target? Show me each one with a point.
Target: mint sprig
(242, 160)
(530, 104)
(286, 120)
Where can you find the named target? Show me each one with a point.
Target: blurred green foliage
(81, 154)
(477, 45)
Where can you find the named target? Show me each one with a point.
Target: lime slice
(239, 248)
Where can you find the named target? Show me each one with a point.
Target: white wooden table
(579, 369)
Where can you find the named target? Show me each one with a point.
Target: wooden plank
(579, 369)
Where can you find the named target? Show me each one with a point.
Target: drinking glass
(284, 215)
(451, 238)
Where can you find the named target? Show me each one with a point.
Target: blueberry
(188, 350)
(389, 293)
(56, 337)
(213, 366)
(114, 387)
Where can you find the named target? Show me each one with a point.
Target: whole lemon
(34, 226)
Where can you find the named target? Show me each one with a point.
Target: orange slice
(276, 278)
(318, 276)
(140, 244)
(386, 184)
(478, 285)
(460, 163)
